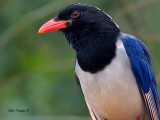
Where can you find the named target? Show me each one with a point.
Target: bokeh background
(37, 70)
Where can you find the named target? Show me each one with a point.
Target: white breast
(113, 92)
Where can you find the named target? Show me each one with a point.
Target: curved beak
(53, 25)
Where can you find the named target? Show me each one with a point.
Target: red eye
(75, 14)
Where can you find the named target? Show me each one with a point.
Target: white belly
(113, 92)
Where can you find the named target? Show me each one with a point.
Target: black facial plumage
(93, 35)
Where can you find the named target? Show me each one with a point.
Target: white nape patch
(82, 3)
(108, 15)
(98, 8)
(111, 19)
(116, 24)
(119, 44)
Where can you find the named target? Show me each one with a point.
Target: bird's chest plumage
(112, 93)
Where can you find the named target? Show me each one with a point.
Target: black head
(91, 32)
(85, 20)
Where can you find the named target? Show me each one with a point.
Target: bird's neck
(95, 49)
(96, 52)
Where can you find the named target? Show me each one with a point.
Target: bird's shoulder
(141, 63)
(133, 45)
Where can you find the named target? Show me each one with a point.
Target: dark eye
(75, 14)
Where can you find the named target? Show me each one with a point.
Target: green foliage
(37, 70)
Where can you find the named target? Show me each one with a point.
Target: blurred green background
(37, 70)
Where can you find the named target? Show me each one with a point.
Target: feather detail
(141, 63)
(149, 100)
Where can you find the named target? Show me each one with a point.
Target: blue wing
(141, 63)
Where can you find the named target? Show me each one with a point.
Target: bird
(113, 69)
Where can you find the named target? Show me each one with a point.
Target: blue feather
(141, 63)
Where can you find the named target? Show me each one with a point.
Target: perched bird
(113, 69)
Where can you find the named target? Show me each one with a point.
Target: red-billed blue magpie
(113, 69)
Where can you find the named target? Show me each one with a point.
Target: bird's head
(77, 21)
